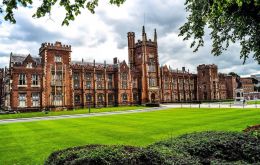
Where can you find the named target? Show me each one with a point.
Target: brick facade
(52, 80)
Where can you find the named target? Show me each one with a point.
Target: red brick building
(52, 80)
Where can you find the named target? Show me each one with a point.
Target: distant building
(52, 80)
(251, 86)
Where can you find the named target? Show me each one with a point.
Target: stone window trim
(77, 99)
(35, 99)
(22, 80)
(88, 97)
(35, 80)
(57, 58)
(22, 99)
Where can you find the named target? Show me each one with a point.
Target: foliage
(72, 8)
(233, 74)
(229, 21)
(195, 148)
(254, 130)
(214, 147)
(102, 154)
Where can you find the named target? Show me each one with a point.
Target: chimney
(115, 60)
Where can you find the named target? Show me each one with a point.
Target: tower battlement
(211, 66)
(56, 46)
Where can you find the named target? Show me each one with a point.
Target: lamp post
(89, 99)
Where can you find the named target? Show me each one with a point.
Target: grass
(32, 142)
(78, 111)
(253, 102)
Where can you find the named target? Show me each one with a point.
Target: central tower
(143, 59)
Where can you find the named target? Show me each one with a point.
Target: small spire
(155, 35)
(144, 34)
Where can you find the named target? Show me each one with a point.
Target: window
(57, 58)
(99, 85)
(35, 99)
(57, 99)
(124, 85)
(203, 73)
(29, 65)
(110, 97)
(99, 77)
(110, 77)
(22, 79)
(76, 80)
(152, 82)
(124, 80)
(124, 97)
(135, 83)
(88, 97)
(124, 76)
(151, 65)
(35, 79)
(56, 79)
(77, 99)
(88, 76)
(88, 84)
(135, 97)
(166, 85)
(110, 85)
(100, 97)
(22, 100)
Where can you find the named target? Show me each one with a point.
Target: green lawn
(71, 112)
(253, 102)
(32, 142)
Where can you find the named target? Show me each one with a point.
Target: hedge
(195, 148)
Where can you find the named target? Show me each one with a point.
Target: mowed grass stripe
(32, 142)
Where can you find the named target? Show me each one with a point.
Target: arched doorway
(153, 97)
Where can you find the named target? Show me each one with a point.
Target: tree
(229, 21)
(72, 8)
(233, 74)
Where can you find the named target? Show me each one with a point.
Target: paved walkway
(5, 121)
(163, 106)
(211, 105)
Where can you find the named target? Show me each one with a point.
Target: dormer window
(29, 65)
(57, 58)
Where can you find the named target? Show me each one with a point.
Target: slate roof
(19, 58)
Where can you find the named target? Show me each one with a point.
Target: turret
(155, 36)
(144, 37)
(131, 46)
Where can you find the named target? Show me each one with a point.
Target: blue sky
(103, 35)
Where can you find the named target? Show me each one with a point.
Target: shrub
(195, 148)
(102, 154)
(210, 147)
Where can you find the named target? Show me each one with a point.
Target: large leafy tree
(229, 21)
(72, 8)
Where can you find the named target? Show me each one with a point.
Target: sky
(103, 35)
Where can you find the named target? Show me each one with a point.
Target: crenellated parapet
(55, 46)
(210, 66)
(149, 42)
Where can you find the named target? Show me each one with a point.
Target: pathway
(163, 106)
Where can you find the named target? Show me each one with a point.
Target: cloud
(103, 35)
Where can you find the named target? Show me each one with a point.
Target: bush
(213, 147)
(195, 148)
(102, 154)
